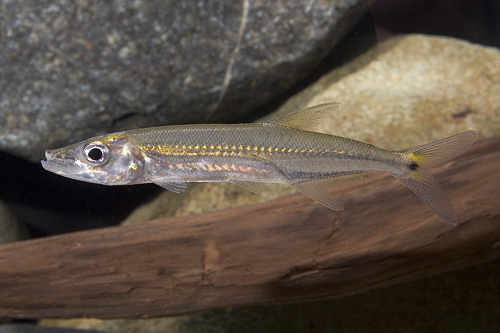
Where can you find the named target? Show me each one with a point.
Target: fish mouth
(63, 165)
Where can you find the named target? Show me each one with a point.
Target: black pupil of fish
(95, 154)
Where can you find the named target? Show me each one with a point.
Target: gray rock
(72, 70)
(11, 229)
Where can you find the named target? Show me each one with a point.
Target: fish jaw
(64, 162)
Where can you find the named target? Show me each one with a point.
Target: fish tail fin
(419, 179)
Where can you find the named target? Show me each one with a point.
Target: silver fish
(283, 150)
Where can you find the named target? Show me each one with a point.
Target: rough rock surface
(72, 70)
(409, 90)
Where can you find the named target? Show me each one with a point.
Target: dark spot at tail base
(413, 166)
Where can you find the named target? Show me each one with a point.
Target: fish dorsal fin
(176, 185)
(250, 186)
(318, 189)
(307, 119)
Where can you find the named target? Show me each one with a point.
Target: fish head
(108, 160)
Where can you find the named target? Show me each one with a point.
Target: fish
(287, 149)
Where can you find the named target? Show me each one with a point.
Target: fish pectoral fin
(318, 190)
(254, 187)
(307, 119)
(176, 185)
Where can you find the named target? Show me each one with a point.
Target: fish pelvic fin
(419, 179)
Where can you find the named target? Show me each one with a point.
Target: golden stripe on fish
(225, 149)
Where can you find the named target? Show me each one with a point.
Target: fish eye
(96, 153)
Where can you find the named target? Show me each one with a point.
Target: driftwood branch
(285, 250)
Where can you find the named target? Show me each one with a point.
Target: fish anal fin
(176, 185)
(254, 187)
(318, 190)
(307, 119)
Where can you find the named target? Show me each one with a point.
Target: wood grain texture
(284, 250)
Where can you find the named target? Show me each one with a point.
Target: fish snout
(58, 159)
(49, 155)
(59, 154)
